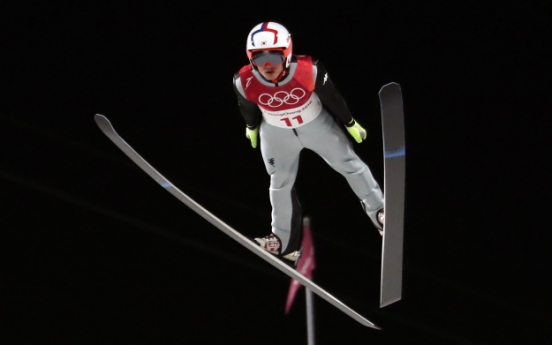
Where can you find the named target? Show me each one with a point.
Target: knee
(281, 183)
(350, 167)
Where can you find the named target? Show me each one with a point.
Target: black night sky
(95, 252)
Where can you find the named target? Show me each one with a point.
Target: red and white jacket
(294, 101)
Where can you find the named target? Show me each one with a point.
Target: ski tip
(99, 118)
(390, 85)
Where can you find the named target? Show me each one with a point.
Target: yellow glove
(356, 131)
(252, 134)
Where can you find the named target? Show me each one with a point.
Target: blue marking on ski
(398, 153)
(166, 185)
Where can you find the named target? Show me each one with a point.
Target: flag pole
(310, 317)
(305, 266)
(308, 292)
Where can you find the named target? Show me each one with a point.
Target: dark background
(96, 252)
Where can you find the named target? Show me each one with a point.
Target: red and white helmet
(269, 36)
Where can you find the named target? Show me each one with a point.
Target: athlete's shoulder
(316, 62)
(313, 59)
(295, 57)
(245, 68)
(242, 70)
(317, 67)
(237, 82)
(320, 74)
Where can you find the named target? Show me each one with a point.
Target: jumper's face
(270, 72)
(270, 63)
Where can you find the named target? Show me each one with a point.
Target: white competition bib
(294, 117)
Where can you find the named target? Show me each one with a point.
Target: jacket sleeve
(249, 110)
(329, 96)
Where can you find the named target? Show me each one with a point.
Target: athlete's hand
(356, 131)
(252, 134)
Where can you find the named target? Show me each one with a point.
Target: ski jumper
(301, 111)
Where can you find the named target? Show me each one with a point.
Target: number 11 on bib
(392, 119)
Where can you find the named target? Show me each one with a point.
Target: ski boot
(376, 216)
(272, 244)
(381, 220)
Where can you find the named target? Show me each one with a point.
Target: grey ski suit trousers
(281, 148)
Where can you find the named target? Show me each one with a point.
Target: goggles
(271, 57)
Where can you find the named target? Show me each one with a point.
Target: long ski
(392, 119)
(108, 130)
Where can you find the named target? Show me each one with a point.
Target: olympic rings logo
(282, 97)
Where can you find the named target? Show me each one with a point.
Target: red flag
(306, 264)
